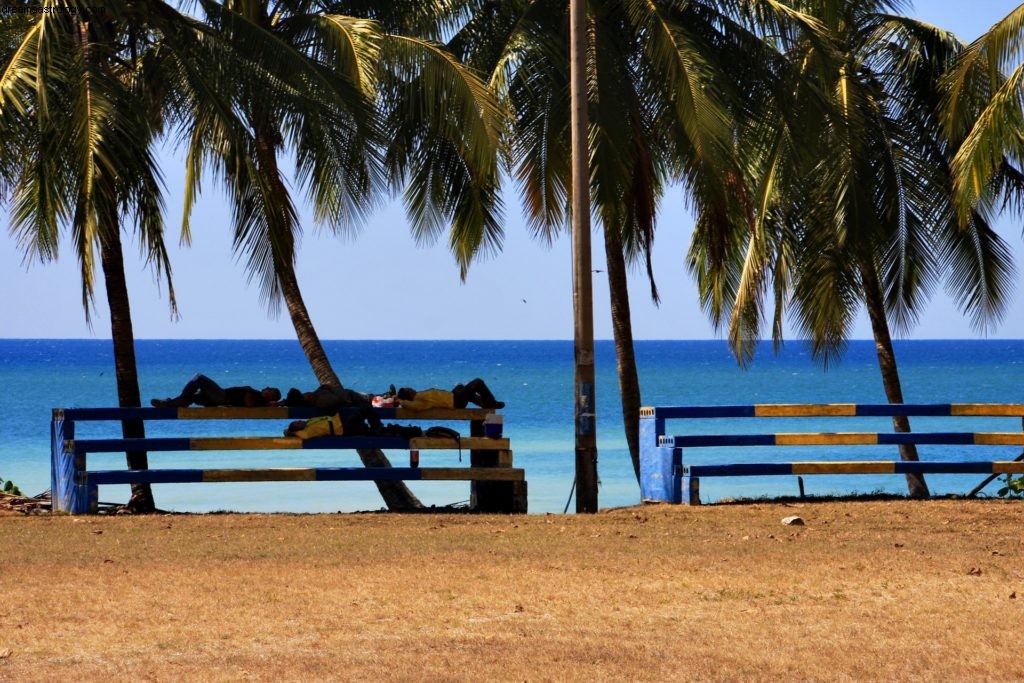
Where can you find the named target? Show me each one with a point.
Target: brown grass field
(892, 590)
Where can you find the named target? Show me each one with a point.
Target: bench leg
(496, 496)
(691, 490)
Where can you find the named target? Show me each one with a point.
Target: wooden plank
(859, 467)
(1008, 467)
(988, 409)
(999, 438)
(824, 439)
(472, 473)
(467, 443)
(229, 413)
(805, 410)
(261, 474)
(245, 443)
(490, 458)
(443, 414)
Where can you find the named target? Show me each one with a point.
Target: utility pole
(582, 284)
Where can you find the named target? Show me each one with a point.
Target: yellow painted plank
(859, 467)
(999, 438)
(1007, 467)
(1000, 409)
(473, 474)
(226, 413)
(245, 443)
(468, 443)
(835, 439)
(266, 474)
(804, 410)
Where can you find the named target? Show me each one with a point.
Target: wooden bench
(666, 476)
(496, 486)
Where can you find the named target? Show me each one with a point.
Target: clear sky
(381, 285)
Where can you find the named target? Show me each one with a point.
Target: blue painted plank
(294, 413)
(703, 411)
(121, 445)
(888, 410)
(710, 440)
(83, 414)
(184, 476)
(784, 468)
(336, 442)
(738, 469)
(961, 467)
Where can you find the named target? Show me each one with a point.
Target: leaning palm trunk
(396, 494)
(304, 330)
(123, 337)
(890, 374)
(629, 382)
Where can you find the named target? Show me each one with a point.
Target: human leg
(461, 396)
(204, 391)
(476, 391)
(200, 389)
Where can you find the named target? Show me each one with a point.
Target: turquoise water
(535, 378)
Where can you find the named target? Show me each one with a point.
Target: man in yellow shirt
(460, 396)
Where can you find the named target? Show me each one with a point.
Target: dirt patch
(861, 590)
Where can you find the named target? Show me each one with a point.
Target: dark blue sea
(535, 378)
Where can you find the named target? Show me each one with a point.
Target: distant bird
(524, 301)
(598, 271)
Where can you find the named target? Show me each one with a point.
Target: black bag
(445, 433)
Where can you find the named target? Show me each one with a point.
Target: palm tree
(79, 118)
(985, 109)
(853, 191)
(662, 96)
(359, 108)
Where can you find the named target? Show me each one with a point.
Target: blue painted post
(63, 480)
(659, 465)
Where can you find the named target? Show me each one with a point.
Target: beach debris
(1013, 595)
(24, 505)
(793, 520)
(974, 571)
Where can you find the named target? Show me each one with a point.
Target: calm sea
(535, 379)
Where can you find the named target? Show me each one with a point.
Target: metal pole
(582, 285)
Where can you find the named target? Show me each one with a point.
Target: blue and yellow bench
(496, 486)
(666, 476)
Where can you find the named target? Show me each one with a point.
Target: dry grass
(866, 590)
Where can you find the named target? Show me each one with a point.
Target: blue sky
(381, 285)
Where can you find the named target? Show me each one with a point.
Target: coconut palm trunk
(622, 328)
(887, 365)
(396, 495)
(123, 336)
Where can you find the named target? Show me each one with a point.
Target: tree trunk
(916, 485)
(625, 357)
(128, 395)
(582, 275)
(396, 494)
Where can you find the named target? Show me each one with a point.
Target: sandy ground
(894, 590)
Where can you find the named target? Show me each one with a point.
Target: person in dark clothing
(205, 392)
(327, 398)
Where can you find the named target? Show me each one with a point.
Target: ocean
(535, 379)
